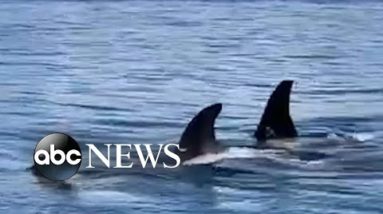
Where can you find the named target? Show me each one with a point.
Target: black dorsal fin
(199, 135)
(276, 121)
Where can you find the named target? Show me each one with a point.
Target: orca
(276, 129)
(276, 121)
(199, 136)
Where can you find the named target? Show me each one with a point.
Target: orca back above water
(199, 135)
(276, 121)
(276, 128)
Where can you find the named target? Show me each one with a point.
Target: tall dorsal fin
(276, 121)
(199, 135)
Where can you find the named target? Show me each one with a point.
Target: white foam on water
(307, 164)
(363, 136)
(232, 153)
(205, 159)
(278, 156)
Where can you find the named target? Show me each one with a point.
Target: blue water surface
(138, 71)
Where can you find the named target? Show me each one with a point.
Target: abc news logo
(58, 156)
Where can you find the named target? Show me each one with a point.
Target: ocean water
(138, 71)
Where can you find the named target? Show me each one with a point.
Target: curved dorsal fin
(199, 135)
(276, 121)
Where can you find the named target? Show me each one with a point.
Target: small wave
(334, 136)
(110, 197)
(362, 136)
